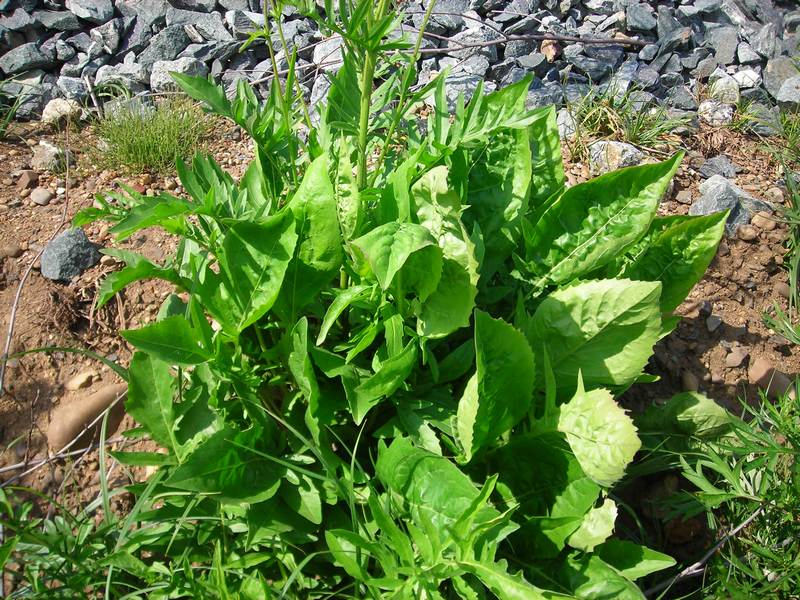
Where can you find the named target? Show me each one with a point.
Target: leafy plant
(8, 109)
(393, 373)
(139, 137)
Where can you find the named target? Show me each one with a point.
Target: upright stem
(367, 75)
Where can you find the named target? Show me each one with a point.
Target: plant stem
(404, 87)
(367, 75)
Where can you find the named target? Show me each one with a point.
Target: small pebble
(690, 382)
(783, 289)
(10, 251)
(765, 221)
(41, 196)
(169, 183)
(775, 194)
(684, 197)
(79, 381)
(713, 322)
(764, 374)
(736, 357)
(27, 179)
(747, 233)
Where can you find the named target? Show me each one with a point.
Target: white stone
(715, 113)
(59, 109)
(747, 78)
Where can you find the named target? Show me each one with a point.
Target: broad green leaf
(204, 90)
(679, 256)
(600, 434)
(346, 547)
(430, 487)
(592, 222)
(383, 383)
(438, 209)
(150, 398)
(596, 527)
(590, 578)
(256, 260)
(547, 170)
(497, 193)
(303, 372)
(348, 198)
(160, 210)
(137, 268)
(691, 417)
(499, 394)
(632, 560)
(143, 459)
(227, 466)
(319, 250)
(304, 498)
(605, 329)
(172, 340)
(553, 497)
(503, 584)
(6, 550)
(387, 248)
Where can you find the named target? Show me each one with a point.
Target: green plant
(138, 137)
(8, 109)
(623, 117)
(394, 367)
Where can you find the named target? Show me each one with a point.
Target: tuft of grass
(8, 109)
(139, 138)
(621, 117)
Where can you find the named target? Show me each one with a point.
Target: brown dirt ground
(740, 285)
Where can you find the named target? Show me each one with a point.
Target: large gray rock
(24, 58)
(640, 17)
(32, 90)
(96, 11)
(209, 25)
(777, 71)
(72, 88)
(198, 5)
(471, 41)
(18, 20)
(108, 35)
(789, 95)
(138, 35)
(133, 76)
(328, 54)
(60, 20)
(723, 41)
(68, 255)
(165, 45)
(545, 96)
(243, 23)
(724, 88)
(161, 80)
(718, 165)
(718, 194)
(152, 13)
(593, 68)
(605, 156)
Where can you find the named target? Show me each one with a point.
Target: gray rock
(60, 20)
(74, 66)
(678, 38)
(24, 58)
(520, 48)
(138, 35)
(777, 71)
(681, 97)
(767, 41)
(606, 156)
(18, 20)
(746, 54)
(640, 17)
(445, 22)
(718, 194)
(208, 25)
(723, 87)
(96, 11)
(152, 13)
(646, 77)
(747, 78)
(64, 51)
(68, 255)
(474, 65)
(724, 41)
(198, 5)
(788, 96)
(243, 23)
(649, 52)
(718, 165)
(210, 51)
(83, 43)
(133, 76)
(593, 68)
(108, 35)
(473, 35)
(161, 80)
(458, 84)
(328, 54)
(165, 45)
(766, 120)
(715, 113)
(72, 87)
(567, 125)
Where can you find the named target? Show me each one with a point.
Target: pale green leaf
(596, 527)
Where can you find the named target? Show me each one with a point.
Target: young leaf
(384, 383)
(600, 434)
(227, 466)
(161, 210)
(605, 329)
(592, 222)
(687, 419)
(547, 170)
(172, 340)
(505, 586)
(343, 299)
(303, 372)
(499, 394)
(596, 527)
(679, 257)
(632, 560)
